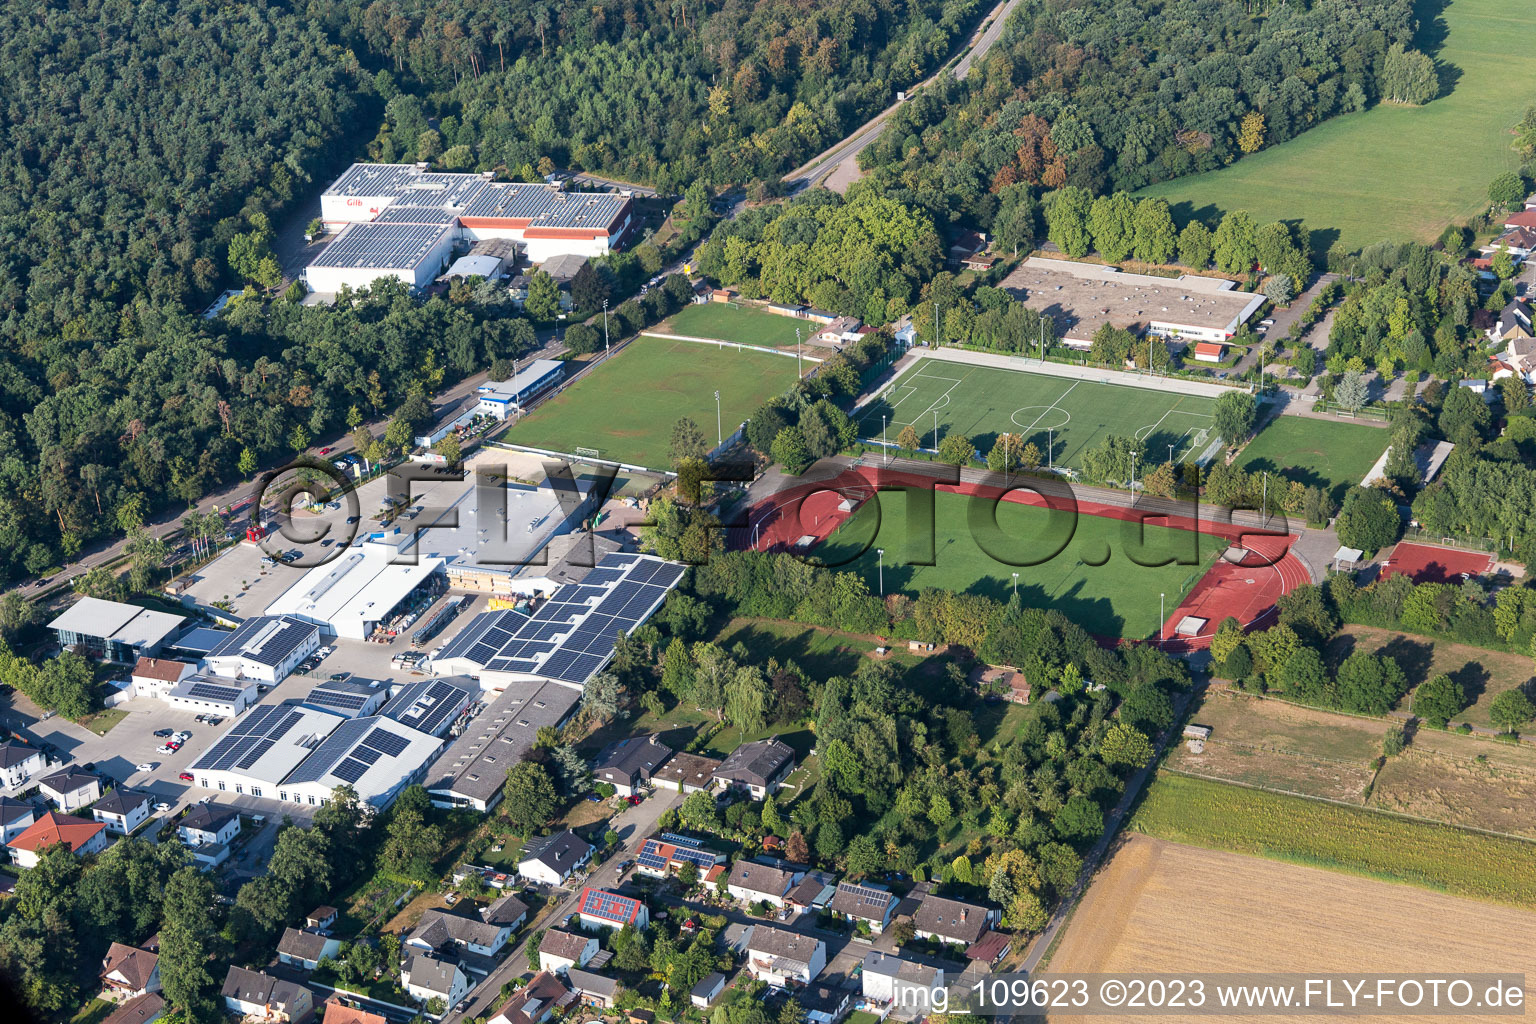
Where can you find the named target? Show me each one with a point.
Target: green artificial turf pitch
(628, 406)
(1070, 415)
(1392, 172)
(1330, 454)
(1104, 578)
(741, 324)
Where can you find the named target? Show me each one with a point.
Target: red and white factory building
(404, 221)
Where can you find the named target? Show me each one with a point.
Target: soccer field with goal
(625, 409)
(1062, 416)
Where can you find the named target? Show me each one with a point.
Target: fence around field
(1070, 371)
(729, 344)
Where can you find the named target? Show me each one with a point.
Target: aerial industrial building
(354, 593)
(403, 221)
(471, 771)
(570, 637)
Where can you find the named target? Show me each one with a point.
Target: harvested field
(1461, 780)
(1163, 907)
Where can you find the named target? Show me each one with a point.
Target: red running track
(801, 516)
(1428, 563)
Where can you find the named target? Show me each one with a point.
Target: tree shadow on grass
(1412, 656)
(1473, 678)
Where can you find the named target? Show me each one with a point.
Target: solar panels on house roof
(609, 906)
(210, 691)
(264, 639)
(570, 637)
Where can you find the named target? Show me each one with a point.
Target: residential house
(704, 994)
(783, 958)
(128, 972)
(257, 994)
(15, 817)
(506, 912)
(209, 823)
(123, 810)
(19, 762)
(866, 903)
(80, 836)
(155, 677)
(553, 859)
(903, 985)
(593, 989)
(559, 950)
(757, 768)
(303, 948)
(1519, 242)
(425, 978)
(600, 908)
(665, 854)
(338, 1012)
(951, 921)
(144, 1009)
(535, 1002)
(823, 1004)
(990, 948)
(966, 245)
(628, 764)
(1514, 322)
(70, 789)
(751, 882)
(686, 773)
(442, 930)
(813, 892)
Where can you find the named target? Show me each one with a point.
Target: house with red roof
(601, 908)
(81, 836)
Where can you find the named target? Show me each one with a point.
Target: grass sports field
(1164, 908)
(1071, 415)
(1302, 831)
(743, 325)
(1093, 580)
(1352, 173)
(627, 406)
(1320, 453)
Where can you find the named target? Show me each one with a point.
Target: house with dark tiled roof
(122, 810)
(425, 977)
(302, 948)
(128, 971)
(629, 764)
(260, 995)
(15, 817)
(951, 921)
(592, 989)
(553, 859)
(144, 1009)
(209, 823)
(70, 789)
(535, 1002)
(782, 958)
(686, 773)
(757, 768)
(19, 762)
(751, 882)
(867, 903)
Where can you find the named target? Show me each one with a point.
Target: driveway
(634, 825)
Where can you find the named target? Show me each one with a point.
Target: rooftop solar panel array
(607, 905)
(330, 751)
(209, 691)
(341, 700)
(427, 705)
(265, 639)
(571, 635)
(260, 729)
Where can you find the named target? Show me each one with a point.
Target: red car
(326, 451)
(185, 776)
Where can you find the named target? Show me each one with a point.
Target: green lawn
(1071, 416)
(1392, 172)
(627, 406)
(1332, 454)
(740, 324)
(1092, 578)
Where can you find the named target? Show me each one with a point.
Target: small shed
(1197, 732)
(920, 646)
(1347, 558)
(1190, 625)
(707, 990)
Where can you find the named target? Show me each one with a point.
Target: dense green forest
(662, 92)
(1118, 94)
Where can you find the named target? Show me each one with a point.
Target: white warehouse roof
(354, 591)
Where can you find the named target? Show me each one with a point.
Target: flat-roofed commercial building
(377, 756)
(503, 398)
(356, 592)
(113, 630)
(544, 218)
(265, 648)
(1082, 297)
(263, 748)
(471, 771)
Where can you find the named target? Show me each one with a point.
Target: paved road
(634, 824)
(1043, 941)
(838, 163)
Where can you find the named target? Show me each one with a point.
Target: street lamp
(606, 348)
(719, 428)
(935, 430)
(883, 446)
(1015, 584)
(880, 563)
(1133, 478)
(799, 370)
(1162, 619)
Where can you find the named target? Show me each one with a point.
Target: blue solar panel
(350, 770)
(700, 857)
(367, 755)
(386, 741)
(603, 576)
(257, 749)
(651, 860)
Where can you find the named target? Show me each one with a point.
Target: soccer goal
(589, 453)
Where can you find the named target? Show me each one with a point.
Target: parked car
(352, 519)
(147, 766)
(185, 776)
(163, 732)
(165, 748)
(326, 450)
(162, 807)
